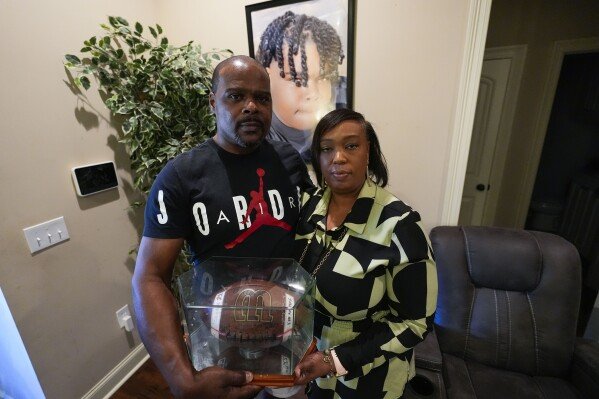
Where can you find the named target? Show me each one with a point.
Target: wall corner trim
(474, 49)
(112, 381)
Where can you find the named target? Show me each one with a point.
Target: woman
(376, 282)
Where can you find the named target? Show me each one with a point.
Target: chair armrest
(428, 353)
(584, 372)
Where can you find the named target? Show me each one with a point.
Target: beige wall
(63, 299)
(407, 63)
(537, 24)
(408, 60)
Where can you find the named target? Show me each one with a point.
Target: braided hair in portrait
(294, 29)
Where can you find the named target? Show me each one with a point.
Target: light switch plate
(46, 234)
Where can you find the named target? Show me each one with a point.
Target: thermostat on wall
(94, 178)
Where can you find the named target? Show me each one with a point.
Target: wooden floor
(145, 383)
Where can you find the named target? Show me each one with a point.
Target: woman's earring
(367, 176)
(323, 184)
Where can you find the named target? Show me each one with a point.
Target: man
(204, 197)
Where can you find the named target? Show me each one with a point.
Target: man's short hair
(224, 63)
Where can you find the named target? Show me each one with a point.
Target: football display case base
(280, 380)
(248, 314)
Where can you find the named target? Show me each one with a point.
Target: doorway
(496, 103)
(570, 155)
(565, 198)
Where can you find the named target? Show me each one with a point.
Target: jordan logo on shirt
(263, 216)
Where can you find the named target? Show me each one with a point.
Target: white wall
(408, 58)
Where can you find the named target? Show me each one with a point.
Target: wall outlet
(123, 316)
(46, 234)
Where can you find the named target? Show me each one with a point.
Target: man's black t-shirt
(227, 204)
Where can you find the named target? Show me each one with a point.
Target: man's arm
(159, 328)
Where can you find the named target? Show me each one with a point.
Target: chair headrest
(509, 260)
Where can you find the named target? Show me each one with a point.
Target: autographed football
(253, 314)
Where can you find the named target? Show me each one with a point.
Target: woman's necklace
(329, 248)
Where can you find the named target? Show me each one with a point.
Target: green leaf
(159, 28)
(164, 41)
(85, 49)
(158, 111)
(126, 127)
(135, 204)
(123, 21)
(84, 82)
(124, 110)
(130, 125)
(92, 40)
(73, 59)
(200, 88)
(113, 21)
(153, 32)
(138, 28)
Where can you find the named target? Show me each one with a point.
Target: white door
(489, 108)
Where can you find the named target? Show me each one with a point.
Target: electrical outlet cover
(121, 315)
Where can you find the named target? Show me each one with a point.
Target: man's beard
(244, 144)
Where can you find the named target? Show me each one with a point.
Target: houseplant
(158, 91)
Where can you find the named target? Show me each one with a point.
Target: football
(253, 314)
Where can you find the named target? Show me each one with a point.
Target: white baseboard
(118, 375)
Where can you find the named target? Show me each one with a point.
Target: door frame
(517, 55)
(560, 50)
(479, 12)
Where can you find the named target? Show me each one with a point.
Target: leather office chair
(506, 316)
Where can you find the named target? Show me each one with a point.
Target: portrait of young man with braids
(302, 55)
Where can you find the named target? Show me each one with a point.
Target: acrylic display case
(250, 314)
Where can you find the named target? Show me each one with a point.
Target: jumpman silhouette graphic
(263, 216)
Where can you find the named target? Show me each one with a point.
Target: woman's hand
(312, 367)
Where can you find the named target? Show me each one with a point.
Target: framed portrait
(307, 48)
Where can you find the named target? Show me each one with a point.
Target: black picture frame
(338, 14)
